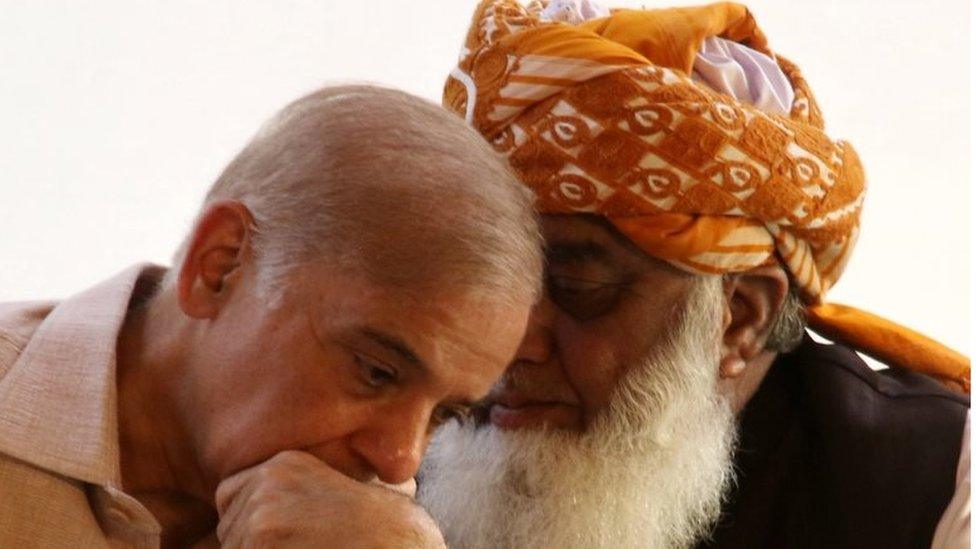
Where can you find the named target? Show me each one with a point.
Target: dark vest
(834, 454)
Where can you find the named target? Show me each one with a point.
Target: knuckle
(408, 515)
(419, 527)
(263, 524)
(272, 474)
(265, 494)
(286, 463)
(290, 457)
(221, 497)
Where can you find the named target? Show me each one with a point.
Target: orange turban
(603, 117)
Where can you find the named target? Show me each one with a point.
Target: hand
(296, 500)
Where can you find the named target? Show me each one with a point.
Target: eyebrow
(401, 349)
(393, 344)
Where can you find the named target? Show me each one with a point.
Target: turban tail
(603, 117)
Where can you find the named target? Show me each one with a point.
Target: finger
(235, 495)
(235, 535)
(230, 538)
(309, 463)
(235, 498)
(229, 487)
(408, 488)
(234, 518)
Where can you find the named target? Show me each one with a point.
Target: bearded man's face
(607, 430)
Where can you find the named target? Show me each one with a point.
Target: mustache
(523, 382)
(543, 383)
(480, 415)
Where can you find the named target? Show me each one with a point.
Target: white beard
(650, 472)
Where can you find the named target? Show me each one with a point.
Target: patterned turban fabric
(602, 116)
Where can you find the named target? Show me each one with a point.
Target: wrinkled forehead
(439, 325)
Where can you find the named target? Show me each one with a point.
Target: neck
(158, 463)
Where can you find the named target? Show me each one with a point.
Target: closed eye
(583, 298)
(374, 373)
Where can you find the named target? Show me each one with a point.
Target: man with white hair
(321, 318)
(666, 394)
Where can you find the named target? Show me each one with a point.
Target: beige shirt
(60, 479)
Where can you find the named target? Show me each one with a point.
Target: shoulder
(890, 410)
(842, 374)
(903, 424)
(18, 322)
(882, 443)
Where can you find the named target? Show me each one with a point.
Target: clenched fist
(296, 500)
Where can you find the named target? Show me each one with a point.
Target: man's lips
(519, 413)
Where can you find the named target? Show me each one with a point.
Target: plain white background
(116, 116)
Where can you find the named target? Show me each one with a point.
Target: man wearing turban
(667, 393)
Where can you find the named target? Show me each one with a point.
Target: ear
(218, 247)
(753, 298)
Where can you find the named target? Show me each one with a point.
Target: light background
(116, 116)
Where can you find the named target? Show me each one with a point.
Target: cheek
(598, 353)
(286, 396)
(591, 361)
(283, 416)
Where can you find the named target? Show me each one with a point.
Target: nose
(395, 443)
(536, 346)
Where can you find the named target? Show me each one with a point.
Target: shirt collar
(58, 406)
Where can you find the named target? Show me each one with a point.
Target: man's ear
(753, 299)
(218, 246)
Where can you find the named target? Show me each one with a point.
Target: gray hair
(388, 185)
(789, 325)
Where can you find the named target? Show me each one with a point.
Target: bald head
(388, 185)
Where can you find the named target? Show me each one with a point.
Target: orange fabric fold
(680, 236)
(891, 343)
(672, 37)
